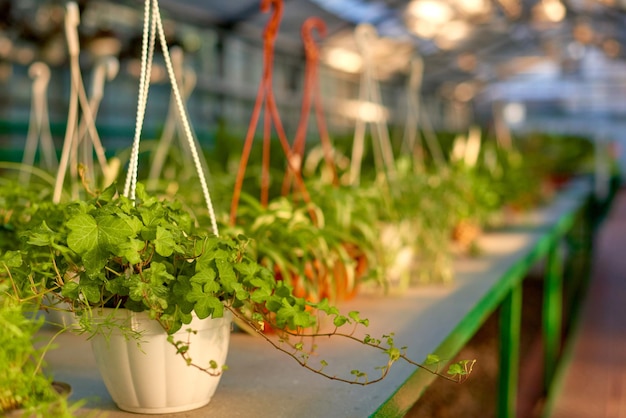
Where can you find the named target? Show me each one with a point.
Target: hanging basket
(146, 375)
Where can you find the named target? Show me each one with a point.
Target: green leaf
(91, 292)
(247, 269)
(432, 359)
(133, 222)
(41, 236)
(113, 232)
(226, 273)
(84, 233)
(324, 306)
(340, 321)
(354, 315)
(240, 292)
(70, 290)
(117, 286)
(203, 276)
(95, 239)
(157, 274)
(136, 287)
(94, 261)
(180, 289)
(107, 195)
(151, 216)
(164, 243)
(394, 354)
(293, 316)
(206, 278)
(209, 306)
(455, 369)
(260, 295)
(131, 250)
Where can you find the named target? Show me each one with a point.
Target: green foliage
(308, 254)
(23, 383)
(149, 256)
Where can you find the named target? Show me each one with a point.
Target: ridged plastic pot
(151, 378)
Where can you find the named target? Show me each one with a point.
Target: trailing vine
(148, 255)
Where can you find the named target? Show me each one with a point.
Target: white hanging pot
(145, 375)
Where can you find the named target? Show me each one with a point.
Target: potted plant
(129, 265)
(123, 266)
(110, 259)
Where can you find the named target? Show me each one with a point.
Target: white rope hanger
(417, 118)
(78, 101)
(39, 135)
(153, 26)
(187, 79)
(369, 92)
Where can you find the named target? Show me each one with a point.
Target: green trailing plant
(25, 387)
(320, 260)
(557, 156)
(18, 200)
(148, 255)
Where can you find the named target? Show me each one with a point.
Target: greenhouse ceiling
(460, 40)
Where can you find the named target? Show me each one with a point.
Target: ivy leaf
(107, 194)
(145, 199)
(70, 290)
(131, 250)
(136, 287)
(260, 295)
(339, 321)
(247, 269)
(206, 278)
(164, 243)
(91, 292)
(94, 261)
(432, 359)
(84, 233)
(205, 305)
(203, 276)
(151, 216)
(293, 316)
(133, 222)
(117, 286)
(455, 369)
(354, 315)
(94, 239)
(157, 274)
(226, 273)
(180, 289)
(240, 293)
(41, 236)
(113, 231)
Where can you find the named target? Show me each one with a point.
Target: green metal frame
(552, 313)
(510, 330)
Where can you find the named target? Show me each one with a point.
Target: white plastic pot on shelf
(146, 375)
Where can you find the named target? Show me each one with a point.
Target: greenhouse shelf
(440, 319)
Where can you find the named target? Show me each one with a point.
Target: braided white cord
(184, 119)
(147, 53)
